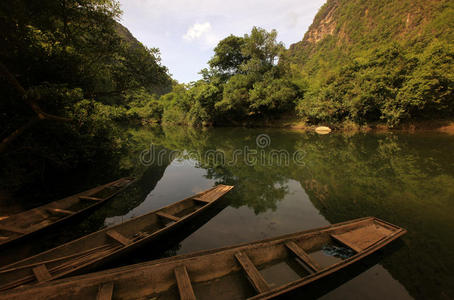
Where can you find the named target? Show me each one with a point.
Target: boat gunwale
(280, 290)
(109, 275)
(124, 248)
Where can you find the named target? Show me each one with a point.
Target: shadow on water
(133, 196)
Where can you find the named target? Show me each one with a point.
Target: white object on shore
(323, 130)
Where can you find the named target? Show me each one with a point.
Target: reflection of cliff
(402, 179)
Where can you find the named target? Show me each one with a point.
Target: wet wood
(119, 237)
(312, 265)
(105, 291)
(167, 216)
(97, 248)
(184, 283)
(253, 275)
(157, 278)
(37, 219)
(41, 273)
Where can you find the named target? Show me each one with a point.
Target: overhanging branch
(41, 115)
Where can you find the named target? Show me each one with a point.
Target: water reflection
(405, 179)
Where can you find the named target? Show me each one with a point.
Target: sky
(186, 31)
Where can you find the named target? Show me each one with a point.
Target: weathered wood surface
(361, 238)
(167, 216)
(157, 278)
(105, 291)
(303, 256)
(97, 247)
(17, 226)
(253, 275)
(41, 273)
(184, 283)
(83, 197)
(119, 237)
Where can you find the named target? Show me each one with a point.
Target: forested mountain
(377, 60)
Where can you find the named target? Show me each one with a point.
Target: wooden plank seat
(58, 210)
(105, 291)
(302, 255)
(184, 283)
(254, 276)
(201, 200)
(41, 273)
(119, 237)
(362, 238)
(167, 216)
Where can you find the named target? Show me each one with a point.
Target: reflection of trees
(404, 179)
(259, 187)
(121, 204)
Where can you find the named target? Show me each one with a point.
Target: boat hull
(215, 270)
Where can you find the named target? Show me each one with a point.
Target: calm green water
(289, 181)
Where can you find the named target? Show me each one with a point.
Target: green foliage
(228, 56)
(376, 61)
(391, 85)
(244, 81)
(73, 60)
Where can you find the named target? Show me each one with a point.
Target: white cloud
(185, 29)
(201, 32)
(197, 30)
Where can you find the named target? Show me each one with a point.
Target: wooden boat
(235, 272)
(16, 227)
(103, 246)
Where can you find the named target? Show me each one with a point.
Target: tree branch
(9, 139)
(41, 115)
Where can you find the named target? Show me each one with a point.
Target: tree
(228, 56)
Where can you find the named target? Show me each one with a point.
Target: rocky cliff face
(325, 25)
(343, 28)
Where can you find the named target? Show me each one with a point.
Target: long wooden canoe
(235, 272)
(98, 248)
(16, 227)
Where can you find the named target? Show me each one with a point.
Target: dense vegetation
(377, 61)
(244, 81)
(70, 74)
(361, 62)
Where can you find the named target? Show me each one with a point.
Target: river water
(287, 181)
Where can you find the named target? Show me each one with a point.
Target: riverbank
(294, 123)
